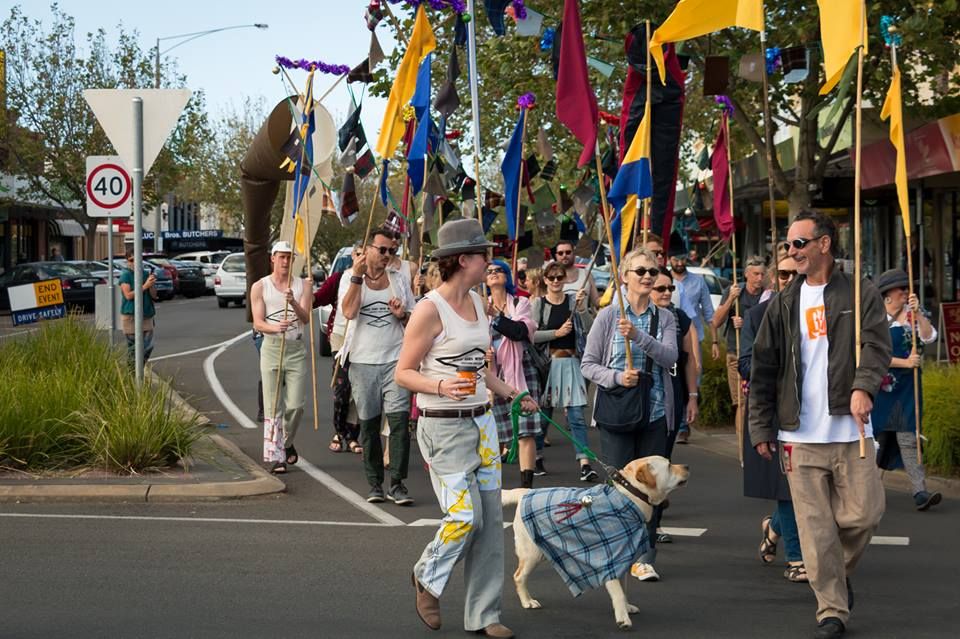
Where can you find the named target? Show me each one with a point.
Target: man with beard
(577, 278)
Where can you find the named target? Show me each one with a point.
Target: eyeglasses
(385, 249)
(494, 271)
(665, 288)
(786, 275)
(555, 278)
(799, 243)
(653, 272)
(559, 253)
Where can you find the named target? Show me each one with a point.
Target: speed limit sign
(108, 187)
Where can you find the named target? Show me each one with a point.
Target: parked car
(209, 260)
(97, 269)
(230, 282)
(77, 283)
(163, 261)
(164, 283)
(192, 280)
(715, 283)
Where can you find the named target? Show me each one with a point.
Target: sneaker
(398, 495)
(924, 500)
(539, 470)
(375, 496)
(587, 473)
(829, 627)
(664, 538)
(683, 437)
(644, 572)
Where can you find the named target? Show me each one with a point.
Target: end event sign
(31, 303)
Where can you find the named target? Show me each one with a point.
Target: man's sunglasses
(799, 243)
(559, 253)
(665, 288)
(555, 278)
(385, 249)
(653, 272)
(786, 275)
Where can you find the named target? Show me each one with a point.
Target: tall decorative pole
(857, 235)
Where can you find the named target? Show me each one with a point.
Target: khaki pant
(839, 500)
(280, 428)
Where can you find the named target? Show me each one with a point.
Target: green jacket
(776, 375)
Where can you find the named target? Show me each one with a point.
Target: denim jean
(132, 348)
(784, 524)
(577, 424)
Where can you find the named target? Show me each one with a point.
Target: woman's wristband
(356, 279)
(693, 394)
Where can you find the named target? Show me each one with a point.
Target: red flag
(722, 210)
(576, 103)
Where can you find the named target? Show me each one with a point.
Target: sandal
(768, 545)
(796, 573)
(355, 447)
(292, 456)
(336, 444)
(278, 468)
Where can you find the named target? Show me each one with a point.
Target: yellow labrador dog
(591, 536)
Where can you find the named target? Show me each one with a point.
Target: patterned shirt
(618, 357)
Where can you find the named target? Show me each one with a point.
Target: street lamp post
(184, 38)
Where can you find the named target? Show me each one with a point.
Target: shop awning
(69, 228)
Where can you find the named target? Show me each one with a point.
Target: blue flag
(384, 191)
(510, 169)
(305, 159)
(421, 95)
(417, 158)
(632, 184)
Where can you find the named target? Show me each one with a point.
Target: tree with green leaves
(52, 130)
(512, 65)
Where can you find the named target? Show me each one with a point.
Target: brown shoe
(496, 630)
(428, 607)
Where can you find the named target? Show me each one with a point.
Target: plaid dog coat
(588, 541)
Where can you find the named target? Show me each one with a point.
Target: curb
(724, 444)
(263, 483)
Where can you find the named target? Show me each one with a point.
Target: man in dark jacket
(807, 372)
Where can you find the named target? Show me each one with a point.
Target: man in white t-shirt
(377, 303)
(808, 378)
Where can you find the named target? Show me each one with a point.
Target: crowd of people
(448, 350)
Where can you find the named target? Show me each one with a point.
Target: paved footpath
(315, 562)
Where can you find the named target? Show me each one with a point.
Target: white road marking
(880, 540)
(196, 350)
(436, 522)
(211, 375)
(327, 480)
(684, 532)
(205, 520)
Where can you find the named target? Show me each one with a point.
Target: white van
(209, 260)
(230, 282)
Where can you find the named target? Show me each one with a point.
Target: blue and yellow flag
(422, 42)
(633, 183)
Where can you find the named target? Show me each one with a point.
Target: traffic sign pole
(110, 285)
(138, 235)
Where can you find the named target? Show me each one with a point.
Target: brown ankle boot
(428, 606)
(496, 630)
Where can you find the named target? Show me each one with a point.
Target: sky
(232, 65)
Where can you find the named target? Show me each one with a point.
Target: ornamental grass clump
(70, 402)
(941, 418)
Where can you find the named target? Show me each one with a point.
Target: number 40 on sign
(108, 187)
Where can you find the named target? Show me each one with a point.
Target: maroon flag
(576, 103)
(722, 207)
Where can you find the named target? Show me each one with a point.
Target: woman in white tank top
(456, 431)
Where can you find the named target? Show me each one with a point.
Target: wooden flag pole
(768, 142)
(736, 301)
(516, 229)
(474, 103)
(313, 358)
(857, 267)
(647, 202)
(914, 321)
(614, 258)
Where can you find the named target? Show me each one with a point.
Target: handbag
(623, 409)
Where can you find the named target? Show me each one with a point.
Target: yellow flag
(842, 27)
(299, 237)
(694, 18)
(893, 109)
(421, 43)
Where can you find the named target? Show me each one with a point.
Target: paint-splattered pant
(464, 460)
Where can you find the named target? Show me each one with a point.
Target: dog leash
(516, 411)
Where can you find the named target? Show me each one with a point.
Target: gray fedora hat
(461, 236)
(894, 278)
